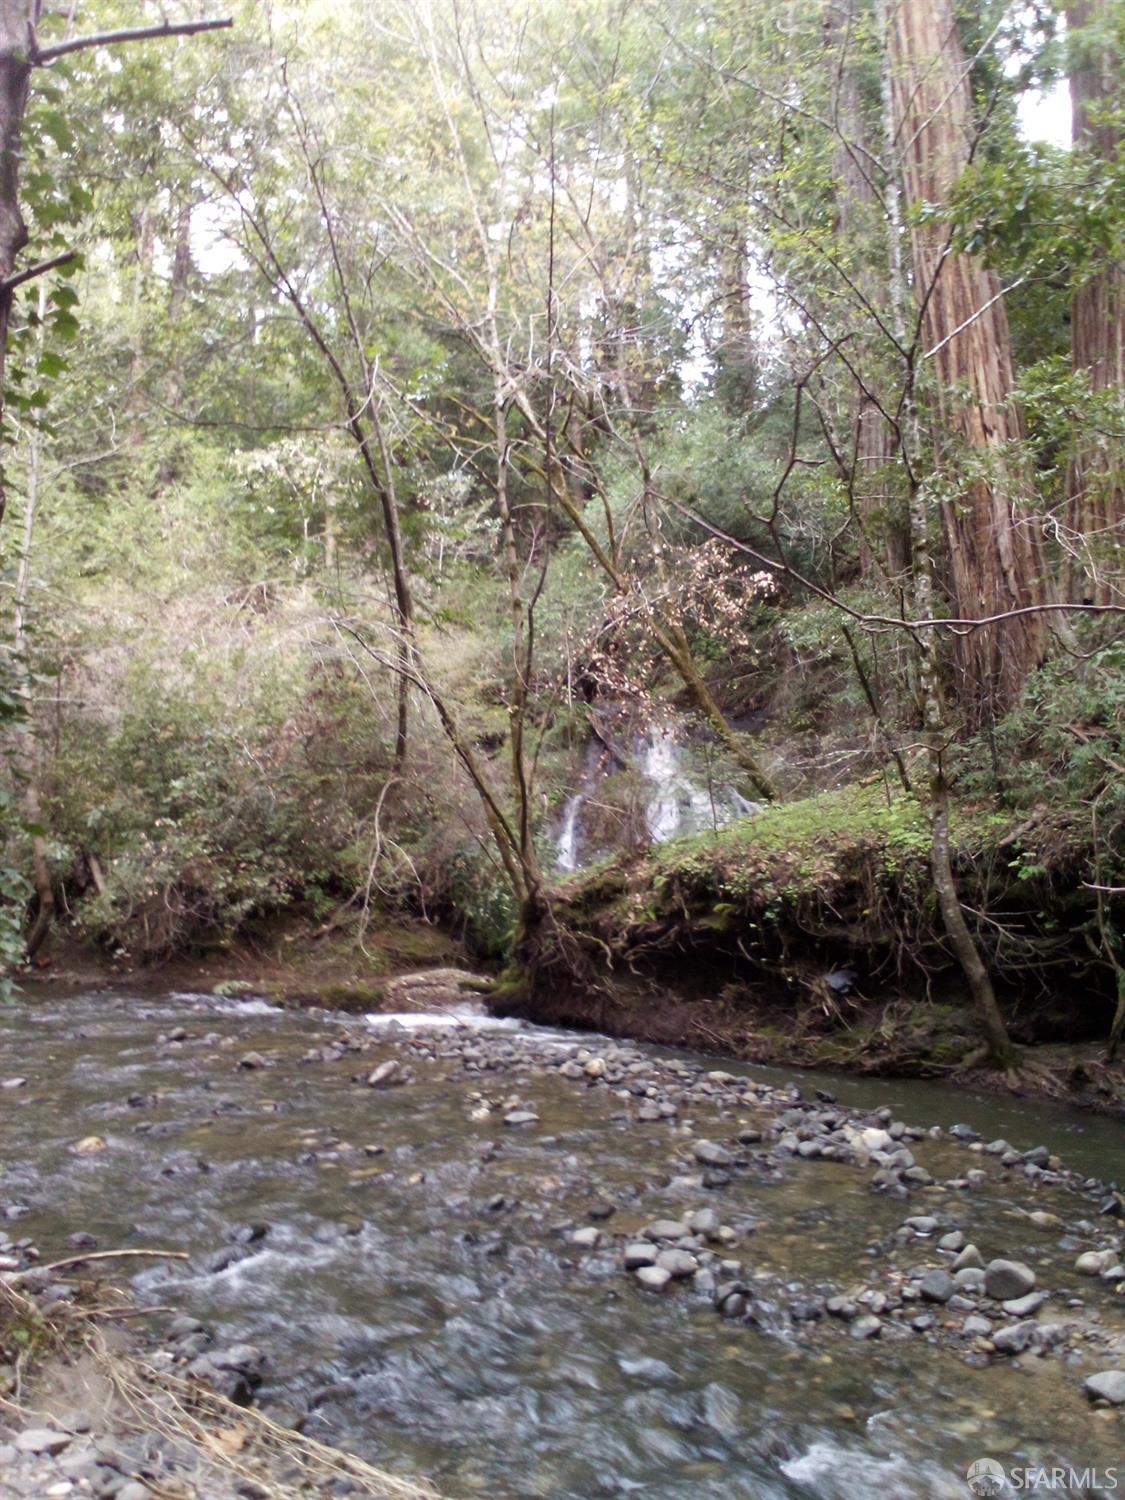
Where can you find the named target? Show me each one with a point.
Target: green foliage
(794, 850)
(208, 588)
(483, 900)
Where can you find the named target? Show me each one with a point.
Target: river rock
(235, 1372)
(1043, 1220)
(937, 1286)
(721, 1408)
(252, 1060)
(955, 1240)
(1025, 1307)
(866, 1327)
(841, 1307)
(678, 1263)
(1094, 1262)
(521, 1117)
(874, 1139)
(704, 1221)
(89, 1145)
(711, 1154)
(969, 1258)
(975, 1326)
(653, 1278)
(41, 1440)
(1108, 1385)
(732, 1302)
(922, 1224)
(1015, 1338)
(665, 1229)
(586, 1239)
(1006, 1279)
(384, 1075)
(639, 1253)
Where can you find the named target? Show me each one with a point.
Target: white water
(568, 834)
(678, 804)
(466, 1015)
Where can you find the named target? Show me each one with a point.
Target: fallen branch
(78, 1260)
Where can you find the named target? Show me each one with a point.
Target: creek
(421, 1299)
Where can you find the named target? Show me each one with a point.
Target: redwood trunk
(1096, 474)
(994, 552)
(860, 223)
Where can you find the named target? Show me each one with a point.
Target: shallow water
(408, 1317)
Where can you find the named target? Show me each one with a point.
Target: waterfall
(680, 804)
(677, 800)
(569, 837)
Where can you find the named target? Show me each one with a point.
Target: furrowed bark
(994, 559)
(1096, 473)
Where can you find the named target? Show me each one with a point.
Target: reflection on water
(420, 1302)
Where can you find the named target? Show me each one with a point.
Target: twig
(78, 1260)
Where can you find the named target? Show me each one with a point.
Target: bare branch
(40, 269)
(44, 55)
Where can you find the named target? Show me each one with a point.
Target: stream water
(420, 1300)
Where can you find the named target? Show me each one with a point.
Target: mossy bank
(811, 934)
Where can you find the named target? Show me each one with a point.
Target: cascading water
(678, 800)
(679, 805)
(569, 837)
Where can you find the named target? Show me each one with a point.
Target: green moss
(413, 943)
(355, 996)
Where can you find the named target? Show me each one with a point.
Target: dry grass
(224, 1445)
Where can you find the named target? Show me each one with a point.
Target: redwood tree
(994, 555)
(1096, 474)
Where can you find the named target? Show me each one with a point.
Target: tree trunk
(17, 30)
(1096, 473)
(26, 759)
(936, 728)
(994, 553)
(861, 223)
(936, 734)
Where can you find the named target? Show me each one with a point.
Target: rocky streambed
(527, 1263)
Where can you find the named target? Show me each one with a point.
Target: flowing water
(679, 797)
(419, 1301)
